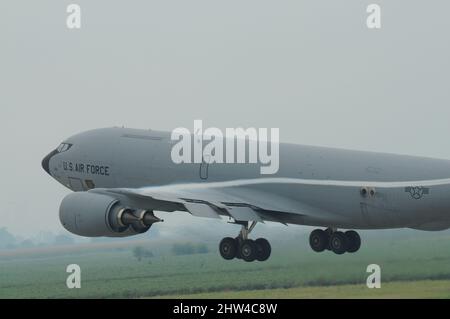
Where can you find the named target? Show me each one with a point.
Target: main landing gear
(336, 241)
(244, 248)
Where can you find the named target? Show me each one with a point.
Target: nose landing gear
(336, 241)
(244, 248)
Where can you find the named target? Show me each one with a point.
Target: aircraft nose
(46, 161)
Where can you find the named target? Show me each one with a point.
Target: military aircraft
(121, 177)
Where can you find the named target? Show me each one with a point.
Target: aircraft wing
(240, 201)
(248, 200)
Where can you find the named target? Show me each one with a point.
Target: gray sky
(311, 68)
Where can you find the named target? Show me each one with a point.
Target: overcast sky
(311, 68)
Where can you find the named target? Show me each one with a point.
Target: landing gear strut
(336, 241)
(244, 248)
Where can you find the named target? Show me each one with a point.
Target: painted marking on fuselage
(312, 182)
(88, 169)
(417, 192)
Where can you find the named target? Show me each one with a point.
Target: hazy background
(311, 68)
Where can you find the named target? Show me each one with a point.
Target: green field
(404, 289)
(410, 268)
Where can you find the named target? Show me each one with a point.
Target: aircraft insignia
(417, 192)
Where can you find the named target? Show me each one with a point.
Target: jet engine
(95, 215)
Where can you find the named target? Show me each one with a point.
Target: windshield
(64, 147)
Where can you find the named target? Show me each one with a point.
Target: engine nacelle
(95, 215)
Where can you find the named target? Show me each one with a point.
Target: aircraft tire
(353, 240)
(248, 250)
(319, 240)
(228, 248)
(338, 243)
(263, 249)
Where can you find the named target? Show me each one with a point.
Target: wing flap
(243, 214)
(201, 210)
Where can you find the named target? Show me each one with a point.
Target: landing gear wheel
(338, 243)
(248, 250)
(353, 241)
(228, 248)
(319, 240)
(263, 249)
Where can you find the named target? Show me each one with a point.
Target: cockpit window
(64, 147)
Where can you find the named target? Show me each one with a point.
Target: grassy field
(410, 268)
(436, 289)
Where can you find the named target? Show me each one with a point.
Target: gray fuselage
(129, 158)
